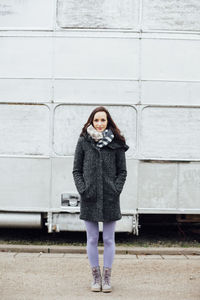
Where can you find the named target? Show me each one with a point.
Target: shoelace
(106, 277)
(96, 276)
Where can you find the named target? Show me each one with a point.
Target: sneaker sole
(106, 291)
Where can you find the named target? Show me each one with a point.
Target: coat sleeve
(121, 169)
(78, 167)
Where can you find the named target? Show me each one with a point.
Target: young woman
(99, 173)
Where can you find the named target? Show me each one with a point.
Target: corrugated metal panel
(189, 185)
(24, 129)
(96, 58)
(25, 184)
(170, 133)
(171, 15)
(98, 14)
(171, 93)
(170, 59)
(25, 90)
(25, 57)
(88, 91)
(157, 186)
(28, 14)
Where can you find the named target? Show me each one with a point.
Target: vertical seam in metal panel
(137, 131)
(138, 182)
(53, 50)
(138, 148)
(139, 101)
(140, 48)
(51, 153)
(52, 100)
(177, 203)
(138, 120)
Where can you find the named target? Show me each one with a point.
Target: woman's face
(100, 121)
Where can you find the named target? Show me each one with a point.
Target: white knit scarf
(103, 138)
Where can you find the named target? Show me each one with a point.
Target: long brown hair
(111, 124)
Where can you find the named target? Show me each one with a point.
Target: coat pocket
(89, 193)
(110, 190)
(115, 189)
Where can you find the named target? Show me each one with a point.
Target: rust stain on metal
(22, 103)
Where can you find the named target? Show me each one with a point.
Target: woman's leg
(109, 243)
(92, 229)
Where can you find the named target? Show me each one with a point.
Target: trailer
(59, 59)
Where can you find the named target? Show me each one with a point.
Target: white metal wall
(60, 59)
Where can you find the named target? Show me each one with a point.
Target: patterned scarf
(102, 138)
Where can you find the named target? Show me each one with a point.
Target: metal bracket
(135, 224)
(49, 222)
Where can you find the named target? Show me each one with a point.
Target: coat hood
(115, 144)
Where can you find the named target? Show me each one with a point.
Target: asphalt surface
(40, 267)
(61, 274)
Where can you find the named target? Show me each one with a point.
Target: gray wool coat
(99, 175)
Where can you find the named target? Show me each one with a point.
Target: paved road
(49, 276)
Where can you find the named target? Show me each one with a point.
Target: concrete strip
(76, 255)
(163, 250)
(56, 255)
(149, 256)
(23, 248)
(67, 249)
(7, 254)
(193, 256)
(82, 249)
(26, 254)
(130, 250)
(126, 256)
(174, 257)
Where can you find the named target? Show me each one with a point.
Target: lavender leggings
(92, 229)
